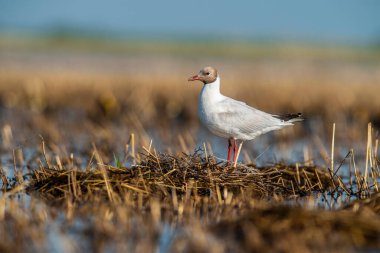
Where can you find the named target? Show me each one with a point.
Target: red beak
(194, 78)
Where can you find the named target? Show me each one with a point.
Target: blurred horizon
(321, 22)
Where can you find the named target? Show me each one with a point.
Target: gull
(232, 119)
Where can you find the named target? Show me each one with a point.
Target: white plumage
(230, 118)
(234, 119)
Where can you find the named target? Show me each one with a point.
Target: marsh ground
(68, 112)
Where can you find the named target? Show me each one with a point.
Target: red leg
(235, 150)
(229, 150)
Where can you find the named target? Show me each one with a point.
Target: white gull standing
(232, 119)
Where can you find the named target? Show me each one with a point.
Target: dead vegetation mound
(163, 175)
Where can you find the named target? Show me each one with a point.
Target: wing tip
(291, 117)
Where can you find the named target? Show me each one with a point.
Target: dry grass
(74, 179)
(189, 223)
(168, 177)
(154, 87)
(294, 229)
(210, 207)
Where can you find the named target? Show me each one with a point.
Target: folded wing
(246, 121)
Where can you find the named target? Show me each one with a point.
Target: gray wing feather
(248, 120)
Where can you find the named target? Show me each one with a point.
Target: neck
(212, 90)
(214, 86)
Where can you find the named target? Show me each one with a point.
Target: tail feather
(291, 117)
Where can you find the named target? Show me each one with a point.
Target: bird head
(205, 75)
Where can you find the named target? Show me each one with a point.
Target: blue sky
(346, 21)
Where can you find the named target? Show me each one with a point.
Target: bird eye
(208, 73)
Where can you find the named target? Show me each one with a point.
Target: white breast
(209, 109)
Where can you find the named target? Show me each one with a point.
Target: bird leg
(229, 150)
(235, 151)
